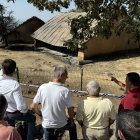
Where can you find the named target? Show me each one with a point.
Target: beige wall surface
(99, 45)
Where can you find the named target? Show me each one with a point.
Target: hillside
(33, 59)
(39, 62)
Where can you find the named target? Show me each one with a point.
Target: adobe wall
(99, 45)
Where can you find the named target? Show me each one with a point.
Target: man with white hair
(54, 98)
(95, 114)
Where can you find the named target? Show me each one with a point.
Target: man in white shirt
(54, 98)
(95, 114)
(17, 109)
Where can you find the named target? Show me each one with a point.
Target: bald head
(93, 88)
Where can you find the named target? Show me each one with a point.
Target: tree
(7, 23)
(106, 12)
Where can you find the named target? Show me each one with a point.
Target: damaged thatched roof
(56, 30)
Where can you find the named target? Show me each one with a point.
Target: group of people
(95, 114)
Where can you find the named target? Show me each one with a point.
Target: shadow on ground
(112, 56)
(19, 47)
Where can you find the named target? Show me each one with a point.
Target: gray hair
(3, 105)
(59, 70)
(93, 88)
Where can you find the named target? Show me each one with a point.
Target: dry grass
(37, 63)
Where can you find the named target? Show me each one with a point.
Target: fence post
(17, 74)
(81, 86)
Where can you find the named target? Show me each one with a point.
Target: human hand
(113, 79)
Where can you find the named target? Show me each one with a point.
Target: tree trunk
(5, 41)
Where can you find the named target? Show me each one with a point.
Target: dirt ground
(28, 59)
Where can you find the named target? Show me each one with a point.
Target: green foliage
(126, 13)
(110, 16)
(7, 23)
(50, 5)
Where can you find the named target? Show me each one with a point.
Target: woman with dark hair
(6, 132)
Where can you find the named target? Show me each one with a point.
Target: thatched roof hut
(22, 33)
(57, 30)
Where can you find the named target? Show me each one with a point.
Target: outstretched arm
(122, 85)
(114, 79)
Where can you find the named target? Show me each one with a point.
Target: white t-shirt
(54, 98)
(11, 89)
